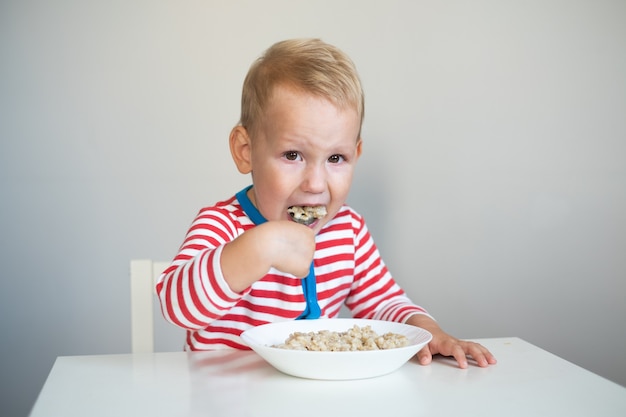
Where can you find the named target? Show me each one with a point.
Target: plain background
(493, 176)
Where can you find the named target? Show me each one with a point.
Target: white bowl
(333, 365)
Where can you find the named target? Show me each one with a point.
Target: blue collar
(247, 206)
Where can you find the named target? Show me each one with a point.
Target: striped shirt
(348, 271)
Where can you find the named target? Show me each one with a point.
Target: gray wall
(493, 175)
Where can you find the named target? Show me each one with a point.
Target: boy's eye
(291, 155)
(335, 159)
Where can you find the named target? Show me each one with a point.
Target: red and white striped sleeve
(192, 291)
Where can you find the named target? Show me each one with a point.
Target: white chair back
(143, 276)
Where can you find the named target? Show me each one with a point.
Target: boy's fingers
(424, 356)
(460, 350)
(460, 356)
(482, 356)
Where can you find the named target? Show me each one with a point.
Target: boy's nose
(314, 180)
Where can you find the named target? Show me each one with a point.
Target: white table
(527, 381)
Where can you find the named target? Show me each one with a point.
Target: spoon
(306, 215)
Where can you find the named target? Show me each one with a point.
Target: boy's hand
(283, 245)
(291, 247)
(446, 345)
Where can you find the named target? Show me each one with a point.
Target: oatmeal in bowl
(336, 349)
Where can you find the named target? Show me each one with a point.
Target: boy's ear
(359, 147)
(240, 149)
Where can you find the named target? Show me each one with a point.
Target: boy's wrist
(423, 321)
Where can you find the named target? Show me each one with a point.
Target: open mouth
(306, 215)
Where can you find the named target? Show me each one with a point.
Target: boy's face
(303, 153)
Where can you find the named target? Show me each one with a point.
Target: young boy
(288, 247)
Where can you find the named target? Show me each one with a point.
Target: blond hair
(310, 65)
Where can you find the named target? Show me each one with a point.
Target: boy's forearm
(243, 262)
